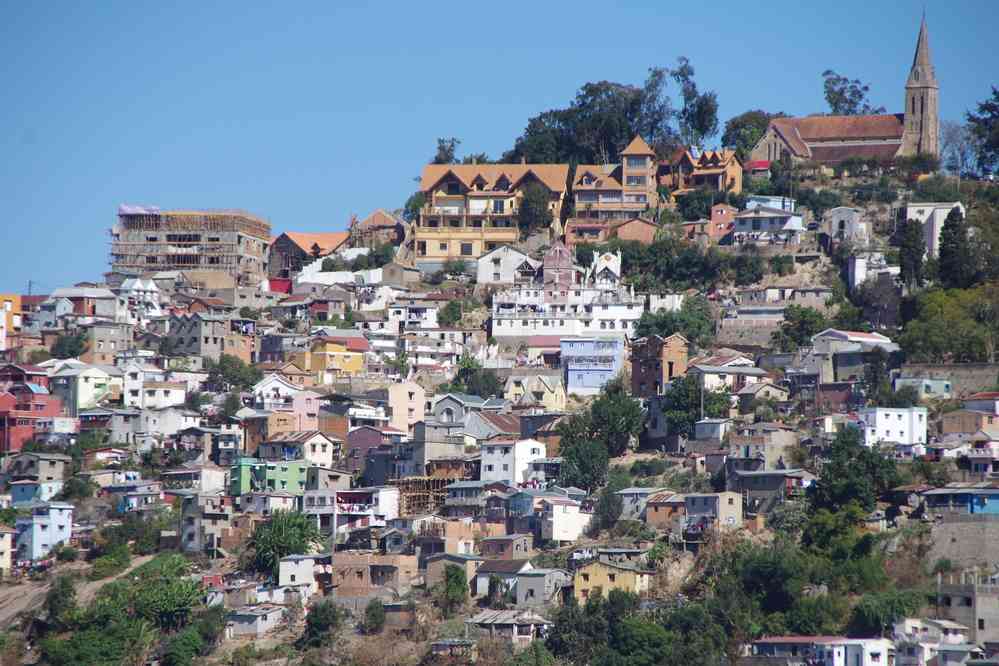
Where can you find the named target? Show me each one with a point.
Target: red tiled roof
(984, 395)
(544, 341)
(758, 164)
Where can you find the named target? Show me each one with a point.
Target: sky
(306, 113)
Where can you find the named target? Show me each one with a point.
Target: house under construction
(147, 239)
(420, 495)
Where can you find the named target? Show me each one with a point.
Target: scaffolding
(419, 495)
(229, 241)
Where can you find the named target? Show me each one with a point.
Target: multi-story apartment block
(209, 336)
(223, 241)
(509, 461)
(471, 209)
(618, 191)
(49, 525)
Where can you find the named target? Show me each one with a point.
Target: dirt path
(30, 595)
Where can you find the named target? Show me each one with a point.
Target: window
(636, 162)
(466, 249)
(981, 624)
(442, 247)
(635, 180)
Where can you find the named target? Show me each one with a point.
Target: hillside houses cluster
(405, 386)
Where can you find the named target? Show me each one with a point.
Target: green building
(249, 475)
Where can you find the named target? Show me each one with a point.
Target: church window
(913, 104)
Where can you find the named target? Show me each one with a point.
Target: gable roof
(553, 176)
(328, 242)
(638, 147)
(378, 220)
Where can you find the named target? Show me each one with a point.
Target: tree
(694, 321)
(608, 509)
(286, 533)
(60, 602)
(231, 372)
(876, 612)
(853, 474)
(682, 405)
(536, 654)
(957, 262)
(446, 151)
(912, 250)
(455, 266)
(957, 147)
(742, 132)
(414, 204)
(183, 648)
(846, 97)
(945, 328)
(584, 458)
(799, 325)
(698, 115)
(232, 404)
(323, 619)
(535, 209)
(69, 345)
(450, 314)
(374, 617)
(616, 417)
(696, 204)
(984, 128)
(454, 590)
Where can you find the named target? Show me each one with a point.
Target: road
(30, 595)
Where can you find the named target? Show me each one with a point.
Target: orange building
(717, 170)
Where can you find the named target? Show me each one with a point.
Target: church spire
(922, 73)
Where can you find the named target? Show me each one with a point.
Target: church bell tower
(922, 102)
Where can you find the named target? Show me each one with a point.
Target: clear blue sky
(307, 112)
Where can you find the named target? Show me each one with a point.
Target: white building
(509, 461)
(932, 217)
(762, 224)
(506, 265)
(890, 425)
(415, 314)
(868, 265)
(563, 520)
(274, 392)
(580, 311)
(825, 650)
(847, 225)
(49, 525)
(142, 299)
(135, 373)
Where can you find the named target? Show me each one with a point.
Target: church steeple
(922, 103)
(922, 73)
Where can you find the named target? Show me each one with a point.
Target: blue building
(589, 363)
(49, 525)
(973, 499)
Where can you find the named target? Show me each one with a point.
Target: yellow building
(607, 576)
(716, 170)
(332, 357)
(10, 308)
(470, 209)
(536, 390)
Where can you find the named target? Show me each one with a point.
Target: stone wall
(966, 540)
(965, 378)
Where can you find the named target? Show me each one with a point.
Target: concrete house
(254, 621)
(518, 627)
(49, 525)
(563, 520)
(890, 425)
(509, 547)
(634, 500)
(713, 511)
(590, 362)
(509, 461)
(506, 265)
(535, 390)
(601, 576)
(311, 445)
(657, 361)
(507, 571)
(540, 587)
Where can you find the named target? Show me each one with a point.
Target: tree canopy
(694, 321)
(846, 97)
(743, 131)
(682, 405)
(984, 127)
(286, 533)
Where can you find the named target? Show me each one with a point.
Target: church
(829, 140)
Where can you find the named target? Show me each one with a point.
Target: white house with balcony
(765, 225)
(509, 461)
(274, 392)
(578, 311)
(339, 511)
(135, 373)
(824, 650)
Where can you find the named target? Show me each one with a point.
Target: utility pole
(30, 284)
